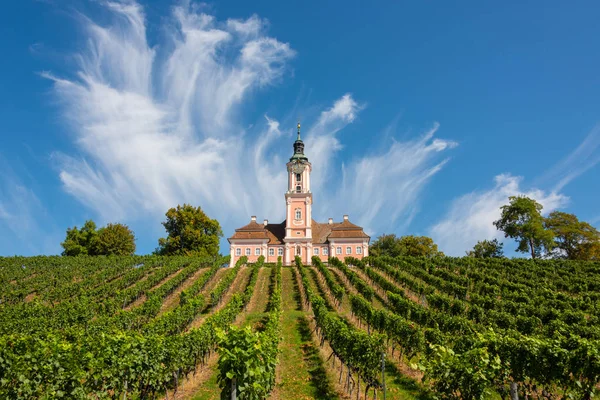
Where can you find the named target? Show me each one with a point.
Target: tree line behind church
(190, 231)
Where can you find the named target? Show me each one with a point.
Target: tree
(190, 232)
(78, 241)
(574, 239)
(385, 245)
(522, 220)
(487, 249)
(114, 239)
(417, 246)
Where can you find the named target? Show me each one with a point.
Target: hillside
(147, 327)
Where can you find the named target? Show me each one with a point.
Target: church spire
(298, 148)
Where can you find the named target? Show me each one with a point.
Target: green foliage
(244, 358)
(487, 249)
(416, 246)
(79, 241)
(247, 360)
(360, 351)
(522, 220)
(468, 375)
(574, 239)
(113, 239)
(190, 232)
(473, 325)
(61, 352)
(336, 290)
(216, 295)
(385, 245)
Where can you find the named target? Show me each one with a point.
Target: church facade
(298, 234)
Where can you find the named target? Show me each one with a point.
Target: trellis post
(383, 372)
(234, 389)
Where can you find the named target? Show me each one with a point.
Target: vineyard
(149, 327)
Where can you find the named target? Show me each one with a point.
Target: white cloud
(580, 160)
(323, 140)
(380, 188)
(159, 128)
(471, 216)
(155, 133)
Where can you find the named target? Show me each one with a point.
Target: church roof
(321, 232)
(251, 227)
(276, 232)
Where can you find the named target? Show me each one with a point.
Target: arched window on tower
(298, 189)
(298, 251)
(298, 214)
(298, 177)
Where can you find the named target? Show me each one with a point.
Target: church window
(298, 177)
(348, 250)
(257, 251)
(298, 213)
(325, 251)
(338, 250)
(298, 189)
(358, 250)
(280, 251)
(247, 251)
(271, 251)
(316, 251)
(238, 252)
(298, 251)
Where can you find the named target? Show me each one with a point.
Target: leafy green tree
(385, 245)
(522, 220)
(416, 246)
(190, 232)
(114, 239)
(79, 241)
(487, 249)
(574, 239)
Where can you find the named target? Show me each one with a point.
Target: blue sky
(419, 118)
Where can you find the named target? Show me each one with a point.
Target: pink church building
(299, 234)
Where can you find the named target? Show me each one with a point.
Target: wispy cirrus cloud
(471, 216)
(580, 160)
(159, 128)
(382, 187)
(157, 132)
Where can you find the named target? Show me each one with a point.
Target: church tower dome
(298, 148)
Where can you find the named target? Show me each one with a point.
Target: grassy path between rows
(300, 372)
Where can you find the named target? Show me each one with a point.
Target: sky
(419, 118)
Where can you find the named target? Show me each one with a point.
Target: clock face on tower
(298, 167)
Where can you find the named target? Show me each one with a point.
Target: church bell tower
(298, 198)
